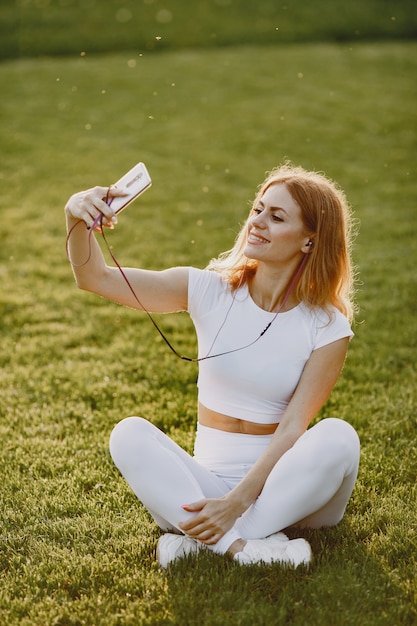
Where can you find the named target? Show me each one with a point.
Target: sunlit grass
(76, 548)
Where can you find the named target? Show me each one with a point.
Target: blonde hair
(328, 276)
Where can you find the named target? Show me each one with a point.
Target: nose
(258, 219)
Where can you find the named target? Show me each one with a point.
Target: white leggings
(309, 486)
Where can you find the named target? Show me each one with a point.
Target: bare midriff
(212, 419)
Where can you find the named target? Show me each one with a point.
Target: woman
(272, 319)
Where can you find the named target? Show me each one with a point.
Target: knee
(342, 440)
(342, 431)
(127, 437)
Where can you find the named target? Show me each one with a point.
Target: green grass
(76, 547)
(45, 27)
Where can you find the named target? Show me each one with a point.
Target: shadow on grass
(344, 585)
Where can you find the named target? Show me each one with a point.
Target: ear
(308, 247)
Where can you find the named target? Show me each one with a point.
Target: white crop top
(256, 383)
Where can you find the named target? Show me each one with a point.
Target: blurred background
(58, 27)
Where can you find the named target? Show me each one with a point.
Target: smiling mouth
(252, 238)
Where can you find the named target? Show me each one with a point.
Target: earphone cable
(99, 220)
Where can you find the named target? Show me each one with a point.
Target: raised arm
(159, 292)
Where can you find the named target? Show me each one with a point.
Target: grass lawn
(76, 547)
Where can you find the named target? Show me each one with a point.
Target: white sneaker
(293, 552)
(276, 537)
(172, 547)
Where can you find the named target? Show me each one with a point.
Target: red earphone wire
(99, 220)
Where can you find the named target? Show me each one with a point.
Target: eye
(256, 210)
(276, 218)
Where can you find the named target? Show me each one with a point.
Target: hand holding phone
(135, 182)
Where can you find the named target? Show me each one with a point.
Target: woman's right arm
(159, 292)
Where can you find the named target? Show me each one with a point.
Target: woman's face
(276, 233)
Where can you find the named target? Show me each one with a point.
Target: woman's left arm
(214, 517)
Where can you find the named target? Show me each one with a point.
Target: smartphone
(135, 182)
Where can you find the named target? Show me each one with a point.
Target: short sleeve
(205, 288)
(331, 329)
(197, 287)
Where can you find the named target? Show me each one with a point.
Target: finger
(99, 191)
(113, 191)
(194, 506)
(101, 200)
(194, 526)
(94, 219)
(205, 535)
(188, 527)
(210, 536)
(96, 201)
(108, 224)
(202, 530)
(210, 541)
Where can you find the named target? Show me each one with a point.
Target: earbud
(310, 243)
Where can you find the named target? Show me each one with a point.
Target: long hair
(328, 276)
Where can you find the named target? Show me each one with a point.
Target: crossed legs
(309, 486)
